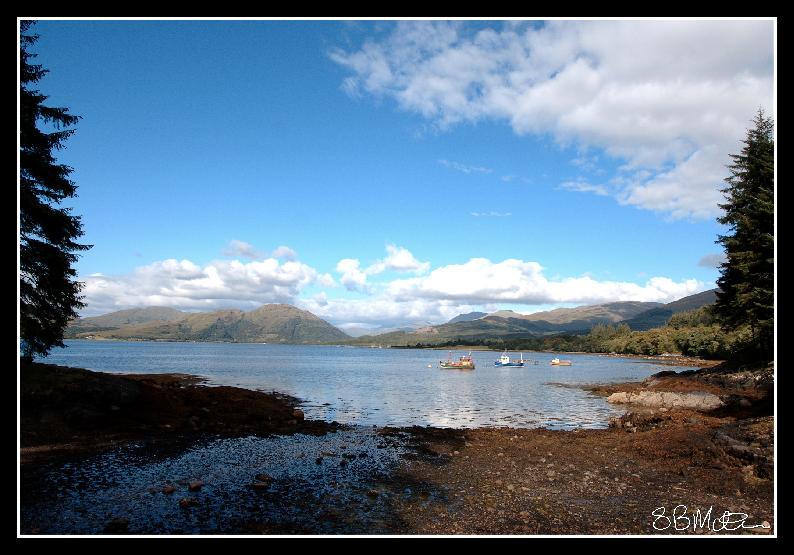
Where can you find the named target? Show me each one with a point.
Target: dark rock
(262, 477)
(297, 414)
(195, 485)
(318, 460)
(117, 526)
(188, 502)
(343, 462)
(664, 374)
(169, 489)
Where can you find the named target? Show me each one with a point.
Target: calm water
(395, 387)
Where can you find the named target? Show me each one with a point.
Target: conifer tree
(746, 295)
(49, 292)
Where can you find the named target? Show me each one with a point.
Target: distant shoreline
(670, 359)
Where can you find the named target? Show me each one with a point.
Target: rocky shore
(650, 472)
(657, 459)
(65, 410)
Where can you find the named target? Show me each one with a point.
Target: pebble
(195, 485)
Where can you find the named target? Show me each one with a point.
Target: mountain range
(282, 323)
(507, 324)
(270, 323)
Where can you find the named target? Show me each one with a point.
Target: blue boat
(504, 360)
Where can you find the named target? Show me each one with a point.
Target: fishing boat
(504, 360)
(463, 363)
(557, 362)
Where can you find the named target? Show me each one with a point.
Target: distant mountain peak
(467, 317)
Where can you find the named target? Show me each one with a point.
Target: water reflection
(384, 386)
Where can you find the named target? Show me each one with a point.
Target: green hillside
(272, 323)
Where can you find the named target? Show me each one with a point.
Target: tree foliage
(49, 293)
(746, 296)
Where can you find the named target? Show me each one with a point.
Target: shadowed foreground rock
(65, 409)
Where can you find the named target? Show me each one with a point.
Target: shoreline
(450, 480)
(671, 359)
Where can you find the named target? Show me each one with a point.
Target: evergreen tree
(746, 295)
(49, 294)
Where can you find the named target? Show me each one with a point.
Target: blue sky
(384, 173)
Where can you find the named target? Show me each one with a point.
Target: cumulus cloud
(285, 252)
(384, 312)
(671, 97)
(398, 259)
(353, 277)
(481, 281)
(476, 285)
(184, 285)
(241, 249)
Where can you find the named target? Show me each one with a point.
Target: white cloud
(671, 97)
(465, 168)
(435, 297)
(353, 278)
(285, 252)
(241, 249)
(480, 281)
(384, 312)
(584, 187)
(185, 285)
(398, 259)
(491, 214)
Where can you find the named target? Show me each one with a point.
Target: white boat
(504, 360)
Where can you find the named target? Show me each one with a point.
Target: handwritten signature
(681, 519)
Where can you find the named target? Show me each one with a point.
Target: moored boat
(463, 363)
(557, 362)
(504, 360)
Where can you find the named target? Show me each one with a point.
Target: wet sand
(265, 470)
